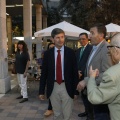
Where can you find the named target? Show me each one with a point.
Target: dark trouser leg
(101, 112)
(49, 105)
(88, 106)
(90, 115)
(85, 101)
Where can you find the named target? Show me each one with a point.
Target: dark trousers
(88, 106)
(85, 101)
(101, 112)
(49, 105)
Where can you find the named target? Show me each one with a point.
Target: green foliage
(85, 13)
(54, 16)
(16, 31)
(17, 26)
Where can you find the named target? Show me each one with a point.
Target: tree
(54, 16)
(17, 25)
(85, 13)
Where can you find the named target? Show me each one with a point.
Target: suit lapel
(98, 50)
(78, 56)
(52, 55)
(65, 60)
(84, 52)
(97, 53)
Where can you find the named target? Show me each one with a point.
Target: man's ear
(117, 51)
(52, 39)
(101, 35)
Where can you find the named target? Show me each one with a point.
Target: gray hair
(116, 40)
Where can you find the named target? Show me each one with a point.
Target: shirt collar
(62, 48)
(85, 45)
(97, 46)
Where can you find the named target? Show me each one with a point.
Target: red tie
(58, 68)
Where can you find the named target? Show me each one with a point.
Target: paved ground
(11, 109)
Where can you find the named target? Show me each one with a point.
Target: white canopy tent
(113, 27)
(69, 29)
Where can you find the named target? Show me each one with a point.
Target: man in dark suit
(82, 55)
(60, 75)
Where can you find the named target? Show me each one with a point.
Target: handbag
(13, 69)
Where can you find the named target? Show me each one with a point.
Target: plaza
(11, 109)
(33, 16)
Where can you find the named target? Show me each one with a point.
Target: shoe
(82, 114)
(48, 113)
(24, 100)
(20, 97)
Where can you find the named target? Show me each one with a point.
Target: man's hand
(75, 97)
(93, 73)
(41, 97)
(79, 74)
(81, 85)
(25, 75)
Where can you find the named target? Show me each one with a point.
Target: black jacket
(81, 63)
(48, 72)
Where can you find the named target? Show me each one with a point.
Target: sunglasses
(111, 46)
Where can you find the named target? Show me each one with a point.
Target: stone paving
(11, 109)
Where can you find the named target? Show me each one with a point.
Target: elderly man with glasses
(108, 92)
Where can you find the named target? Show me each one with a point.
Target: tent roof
(113, 27)
(69, 29)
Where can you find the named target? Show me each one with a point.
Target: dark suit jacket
(48, 72)
(81, 63)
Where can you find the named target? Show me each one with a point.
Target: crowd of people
(93, 71)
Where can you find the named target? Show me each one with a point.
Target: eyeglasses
(111, 46)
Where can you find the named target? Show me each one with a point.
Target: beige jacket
(108, 92)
